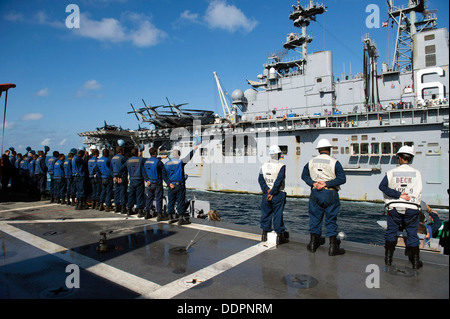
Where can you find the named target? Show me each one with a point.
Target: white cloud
(14, 16)
(43, 92)
(42, 18)
(221, 15)
(189, 16)
(9, 125)
(142, 33)
(32, 116)
(90, 85)
(63, 141)
(46, 141)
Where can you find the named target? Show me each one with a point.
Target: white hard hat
(93, 147)
(406, 150)
(274, 149)
(323, 143)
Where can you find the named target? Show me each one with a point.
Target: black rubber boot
(101, 207)
(315, 242)
(130, 211)
(140, 212)
(184, 220)
(83, 204)
(414, 258)
(334, 247)
(74, 200)
(264, 236)
(282, 238)
(389, 247)
(162, 217)
(118, 209)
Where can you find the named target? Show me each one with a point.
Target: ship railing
(406, 116)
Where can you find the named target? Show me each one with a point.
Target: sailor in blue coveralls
(70, 186)
(135, 168)
(40, 172)
(79, 171)
(59, 179)
(119, 167)
(402, 189)
(94, 178)
(24, 173)
(324, 175)
(105, 172)
(272, 180)
(153, 178)
(174, 177)
(50, 164)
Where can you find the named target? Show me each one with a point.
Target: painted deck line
(120, 277)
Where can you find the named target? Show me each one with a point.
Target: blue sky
(71, 80)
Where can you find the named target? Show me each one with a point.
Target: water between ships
(357, 219)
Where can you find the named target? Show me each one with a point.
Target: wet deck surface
(145, 259)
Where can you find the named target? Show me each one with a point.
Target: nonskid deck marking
(146, 288)
(120, 277)
(187, 282)
(25, 208)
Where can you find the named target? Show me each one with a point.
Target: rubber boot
(140, 212)
(94, 204)
(148, 215)
(83, 204)
(109, 209)
(389, 247)
(77, 205)
(264, 236)
(124, 210)
(118, 208)
(101, 207)
(74, 200)
(184, 220)
(414, 258)
(63, 200)
(68, 203)
(162, 217)
(282, 238)
(315, 242)
(334, 247)
(130, 211)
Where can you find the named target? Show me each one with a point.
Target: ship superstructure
(297, 101)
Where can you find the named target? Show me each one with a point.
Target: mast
(407, 26)
(302, 17)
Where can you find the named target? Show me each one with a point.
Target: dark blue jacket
(104, 167)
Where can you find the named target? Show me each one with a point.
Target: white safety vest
(321, 168)
(404, 179)
(270, 172)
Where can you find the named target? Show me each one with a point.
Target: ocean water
(358, 220)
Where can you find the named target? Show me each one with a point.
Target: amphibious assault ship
(296, 102)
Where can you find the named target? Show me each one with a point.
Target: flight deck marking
(179, 286)
(26, 208)
(120, 277)
(146, 288)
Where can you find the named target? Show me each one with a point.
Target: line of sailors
(107, 178)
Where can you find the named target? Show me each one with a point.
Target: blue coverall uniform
(324, 202)
(135, 167)
(409, 219)
(153, 171)
(119, 168)
(106, 175)
(174, 174)
(274, 208)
